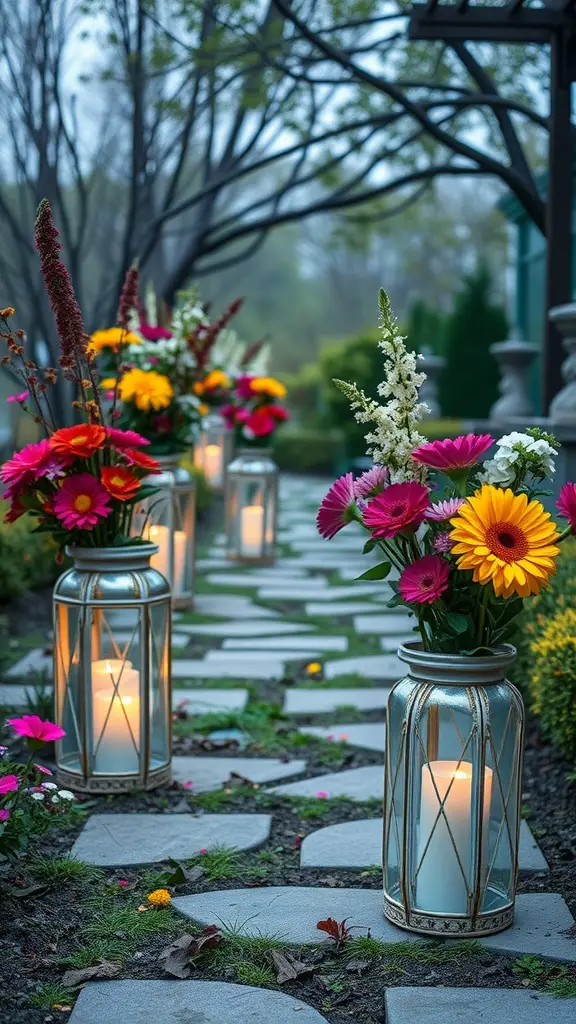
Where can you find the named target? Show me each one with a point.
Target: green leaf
(369, 546)
(458, 623)
(177, 876)
(376, 572)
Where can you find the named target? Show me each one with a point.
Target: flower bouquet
(254, 412)
(81, 482)
(467, 541)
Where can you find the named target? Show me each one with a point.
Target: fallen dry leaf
(175, 959)
(357, 965)
(289, 967)
(105, 969)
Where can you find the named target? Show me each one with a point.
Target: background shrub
(27, 559)
(553, 680)
(309, 450)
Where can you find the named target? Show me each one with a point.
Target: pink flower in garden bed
(36, 728)
(337, 507)
(9, 783)
(399, 508)
(81, 502)
(425, 580)
(453, 454)
(4, 814)
(444, 510)
(370, 483)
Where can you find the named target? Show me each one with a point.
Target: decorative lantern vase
(251, 507)
(112, 621)
(168, 519)
(453, 776)
(214, 450)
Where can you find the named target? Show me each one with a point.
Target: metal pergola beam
(513, 23)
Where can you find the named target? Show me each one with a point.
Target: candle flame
(461, 775)
(109, 667)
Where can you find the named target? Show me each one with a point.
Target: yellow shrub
(552, 680)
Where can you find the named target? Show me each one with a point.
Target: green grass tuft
(99, 949)
(220, 862)
(63, 869)
(50, 994)
(398, 954)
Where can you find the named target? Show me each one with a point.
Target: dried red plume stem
(129, 295)
(69, 322)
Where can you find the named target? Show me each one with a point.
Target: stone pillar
(514, 358)
(562, 415)
(432, 366)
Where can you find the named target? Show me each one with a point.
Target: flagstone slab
(311, 590)
(392, 643)
(292, 913)
(374, 666)
(188, 1002)
(358, 844)
(120, 840)
(229, 657)
(316, 700)
(475, 1006)
(368, 735)
(288, 578)
(209, 563)
(244, 627)
(289, 643)
(384, 622)
(127, 636)
(242, 668)
(208, 773)
(204, 701)
(355, 784)
(234, 606)
(34, 661)
(335, 609)
(14, 695)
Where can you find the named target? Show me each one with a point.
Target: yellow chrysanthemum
(112, 337)
(505, 539)
(147, 389)
(215, 379)
(159, 898)
(108, 383)
(267, 386)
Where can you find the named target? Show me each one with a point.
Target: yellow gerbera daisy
(268, 386)
(147, 389)
(112, 337)
(215, 379)
(505, 539)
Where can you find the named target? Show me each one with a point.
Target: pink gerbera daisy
(337, 508)
(81, 502)
(370, 483)
(566, 504)
(36, 728)
(123, 439)
(33, 462)
(444, 510)
(397, 508)
(454, 454)
(425, 580)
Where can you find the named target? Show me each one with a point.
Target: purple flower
(444, 509)
(21, 398)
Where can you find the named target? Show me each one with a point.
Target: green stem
(482, 616)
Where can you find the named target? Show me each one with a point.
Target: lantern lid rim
(458, 669)
(127, 555)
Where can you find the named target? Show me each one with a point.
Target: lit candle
(213, 464)
(160, 535)
(115, 716)
(179, 561)
(444, 875)
(251, 530)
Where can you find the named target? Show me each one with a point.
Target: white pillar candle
(213, 464)
(180, 541)
(440, 885)
(251, 530)
(115, 716)
(160, 535)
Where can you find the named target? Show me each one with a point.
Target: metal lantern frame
(452, 793)
(168, 519)
(92, 603)
(215, 433)
(251, 507)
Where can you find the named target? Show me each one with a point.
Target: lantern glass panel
(213, 451)
(168, 518)
(251, 507)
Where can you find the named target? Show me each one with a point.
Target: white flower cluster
(519, 453)
(55, 796)
(167, 355)
(396, 434)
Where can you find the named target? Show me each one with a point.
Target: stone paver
(542, 919)
(358, 844)
(198, 702)
(126, 636)
(233, 606)
(336, 608)
(356, 784)
(287, 578)
(289, 643)
(119, 840)
(188, 1002)
(475, 1006)
(392, 643)
(386, 622)
(208, 773)
(312, 591)
(35, 661)
(242, 627)
(384, 667)
(313, 701)
(14, 695)
(242, 668)
(369, 735)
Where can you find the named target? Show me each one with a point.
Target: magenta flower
(453, 455)
(4, 815)
(122, 439)
(81, 502)
(43, 770)
(321, 795)
(150, 333)
(337, 508)
(242, 386)
(444, 510)
(443, 543)
(21, 398)
(398, 508)
(369, 484)
(425, 580)
(9, 783)
(30, 464)
(566, 504)
(36, 728)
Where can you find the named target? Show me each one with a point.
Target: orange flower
(6, 312)
(119, 482)
(78, 442)
(141, 460)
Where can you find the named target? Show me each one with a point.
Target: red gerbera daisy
(141, 459)
(566, 504)
(398, 508)
(338, 507)
(119, 482)
(78, 442)
(425, 580)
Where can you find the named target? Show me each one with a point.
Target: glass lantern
(168, 519)
(214, 450)
(453, 777)
(112, 622)
(251, 507)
